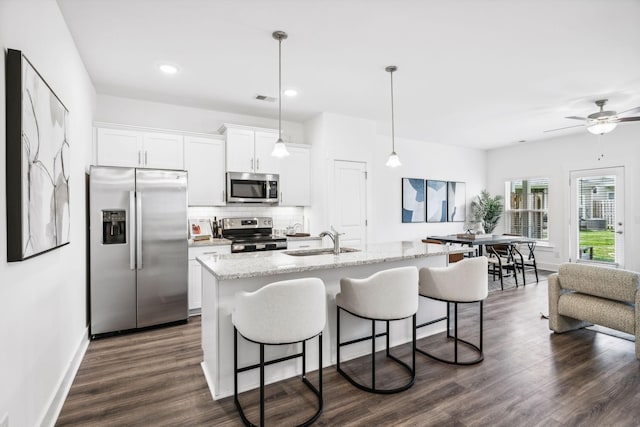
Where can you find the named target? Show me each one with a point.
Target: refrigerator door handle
(132, 230)
(139, 230)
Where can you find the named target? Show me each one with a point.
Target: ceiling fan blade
(576, 118)
(628, 119)
(566, 127)
(631, 111)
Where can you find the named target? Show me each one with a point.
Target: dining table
(481, 240)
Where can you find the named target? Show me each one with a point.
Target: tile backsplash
(283, 216)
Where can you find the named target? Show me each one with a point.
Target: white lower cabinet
(195, 273)
(302, 243)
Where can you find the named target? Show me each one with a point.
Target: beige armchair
(582, 295)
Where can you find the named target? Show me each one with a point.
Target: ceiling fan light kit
(394, 160)
(280, 149)
(600, 128)
(602, 121)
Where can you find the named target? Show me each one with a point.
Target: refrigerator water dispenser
(114, 227)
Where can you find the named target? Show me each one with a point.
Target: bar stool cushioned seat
(387, 295)
(285, 312)
(463, 282)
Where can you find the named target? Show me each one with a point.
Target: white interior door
(597, 216)
(350, 202)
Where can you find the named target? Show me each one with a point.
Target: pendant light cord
(393, 138)
(280, 89)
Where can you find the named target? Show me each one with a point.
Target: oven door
(252, 188)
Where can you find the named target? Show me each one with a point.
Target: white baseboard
(548, 266)
(209, 379)
(55, 407)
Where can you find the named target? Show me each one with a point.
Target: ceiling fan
(602, 121)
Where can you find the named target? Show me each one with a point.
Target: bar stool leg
(338, 335)
(261, 385)
(455, 344)
(373, 354)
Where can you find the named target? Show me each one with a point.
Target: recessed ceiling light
(168, 68)
(291, 92)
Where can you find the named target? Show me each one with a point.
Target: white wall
(335, 137)
(135, 112)
(43, 300)
(424, 160)
(554, 159)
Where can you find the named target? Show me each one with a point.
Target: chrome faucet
(335, 238)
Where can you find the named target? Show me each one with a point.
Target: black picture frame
(37, 162)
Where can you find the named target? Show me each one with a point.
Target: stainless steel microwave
(252, 188)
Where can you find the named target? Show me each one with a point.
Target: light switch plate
(4, 421)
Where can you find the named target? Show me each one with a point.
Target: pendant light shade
(279, 149)
(394, 160)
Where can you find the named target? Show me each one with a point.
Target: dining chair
(503, 261)
(526, 251)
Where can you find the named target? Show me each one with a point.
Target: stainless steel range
(251, 235)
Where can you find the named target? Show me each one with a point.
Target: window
(526, 207)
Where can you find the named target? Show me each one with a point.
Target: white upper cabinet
(240, 153)
(295, 177)
(265, 162)
(133, 148)
(249, 150)
(163, 151)
(118, 147)
(204, 162)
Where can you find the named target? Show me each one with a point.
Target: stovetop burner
(251, 234)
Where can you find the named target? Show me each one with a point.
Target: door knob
(619, 232)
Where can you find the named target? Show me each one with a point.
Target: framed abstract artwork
(456, 201)
(413, 203)
(436, 201)
(37, 162)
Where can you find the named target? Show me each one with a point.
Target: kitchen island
(225, 275)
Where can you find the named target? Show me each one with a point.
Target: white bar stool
(387, 295)
(285, 312)
(463, 282)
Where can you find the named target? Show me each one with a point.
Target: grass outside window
(602, 242)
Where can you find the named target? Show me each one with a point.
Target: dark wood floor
(530, 377)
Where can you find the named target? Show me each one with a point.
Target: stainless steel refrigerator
(138, 248)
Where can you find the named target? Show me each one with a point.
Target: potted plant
(487, 210)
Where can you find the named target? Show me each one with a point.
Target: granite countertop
(256, 264)
(209, 242)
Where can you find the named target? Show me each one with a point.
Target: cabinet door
(163, 151)
(195, 285)
(195, 271)
(265, 162)
(240, 155)
(117, 147)
(204, 161)
(295, 178)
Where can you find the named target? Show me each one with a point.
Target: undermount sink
(323, 251)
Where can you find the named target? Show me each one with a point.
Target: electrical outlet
(4, 421)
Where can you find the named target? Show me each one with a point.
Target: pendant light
(279, 149)
(394, 160)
